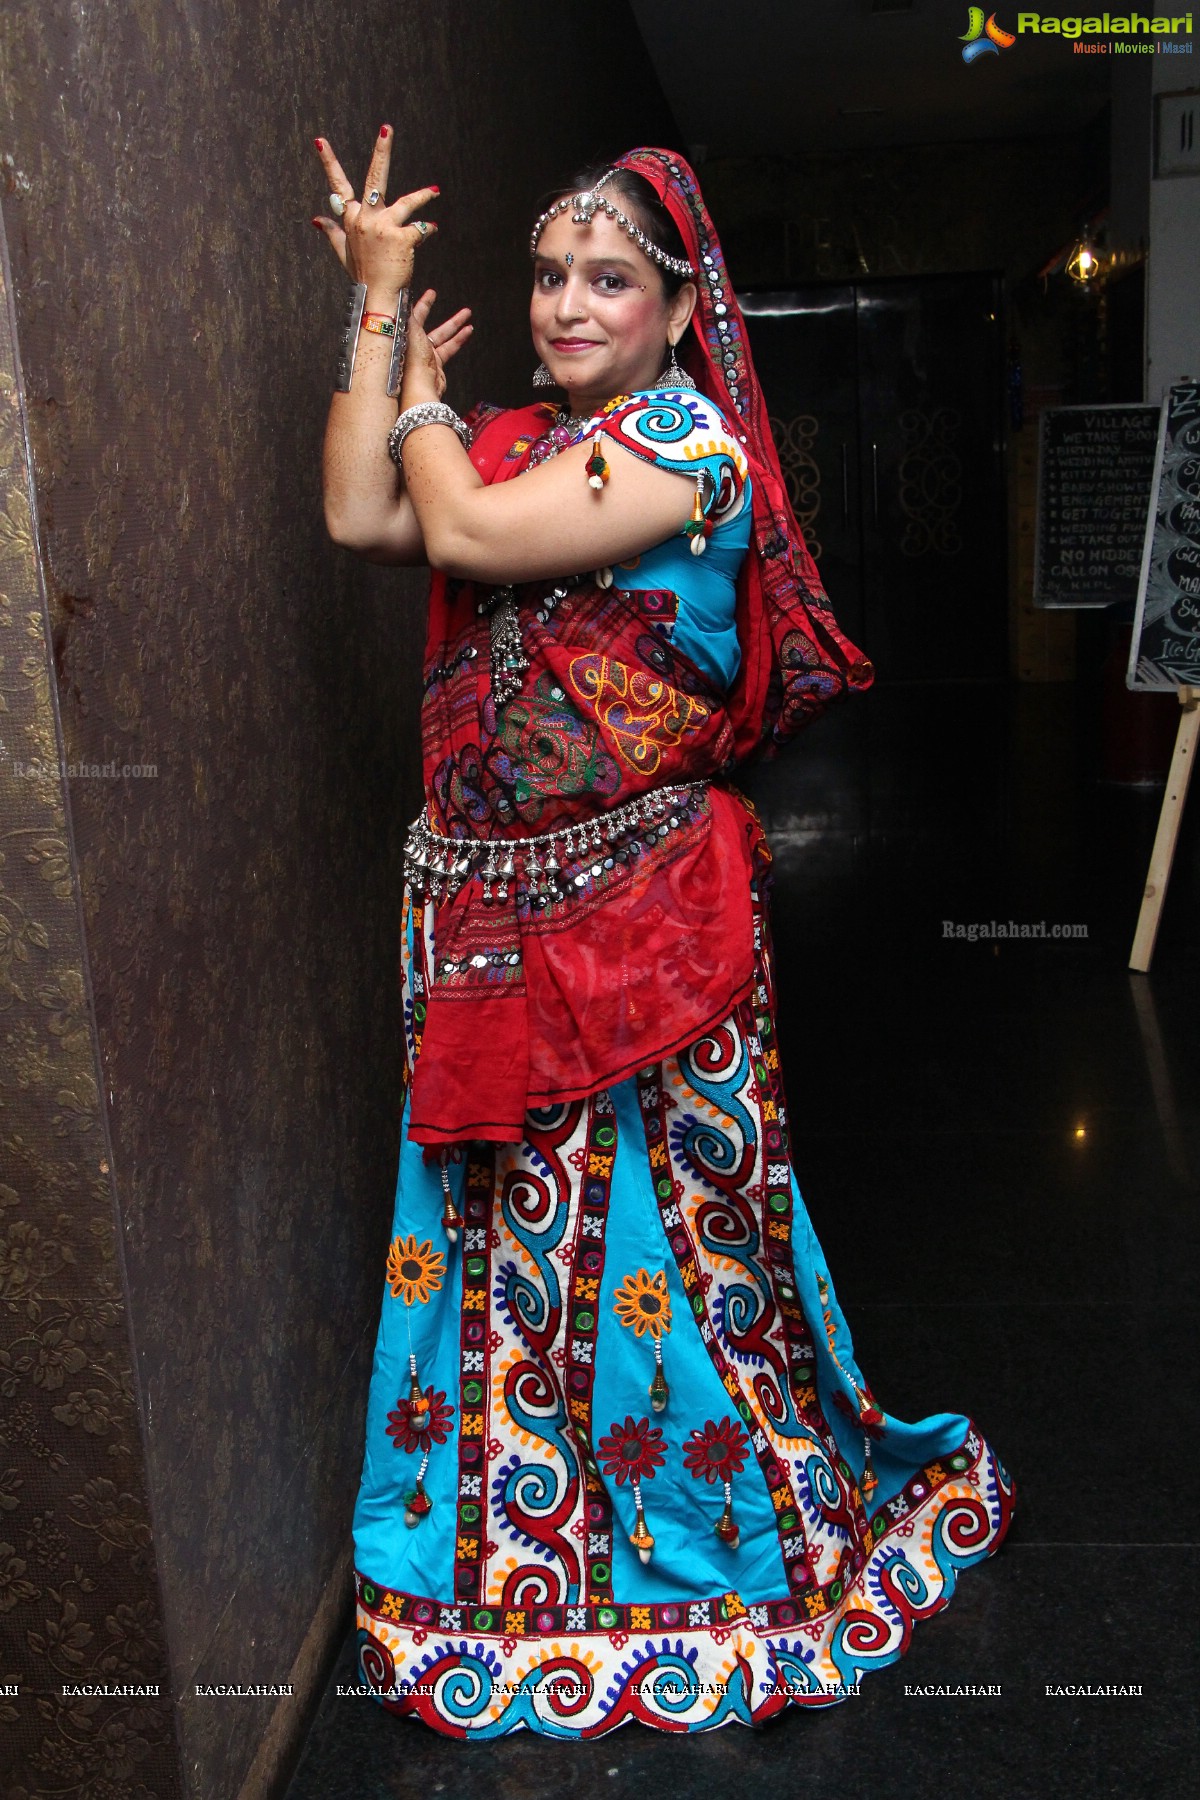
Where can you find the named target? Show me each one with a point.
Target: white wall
(1172, 281)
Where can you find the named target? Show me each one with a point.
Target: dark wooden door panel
(930, 389)
(886, 401)
(804, 348)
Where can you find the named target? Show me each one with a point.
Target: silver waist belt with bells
(549, 866)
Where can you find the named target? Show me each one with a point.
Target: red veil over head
(795, 661)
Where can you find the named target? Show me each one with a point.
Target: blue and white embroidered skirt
(620, 1461)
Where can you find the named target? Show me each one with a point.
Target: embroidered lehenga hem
(583, 1671)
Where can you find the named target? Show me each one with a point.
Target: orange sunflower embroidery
(643, 1302)
(414, 1270)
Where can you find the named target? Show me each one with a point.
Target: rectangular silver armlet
(399, 346)
(348, 344)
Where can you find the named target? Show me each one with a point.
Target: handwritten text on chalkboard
(1166, 633)
(1095, 467)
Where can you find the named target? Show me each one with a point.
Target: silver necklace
(509, 662)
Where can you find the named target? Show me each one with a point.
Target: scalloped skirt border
(725, 1660)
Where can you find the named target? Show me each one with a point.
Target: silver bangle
(399, 346)
(348, 343)
(429, 412)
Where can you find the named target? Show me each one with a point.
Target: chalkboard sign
(1095, 468)
(1166, 631)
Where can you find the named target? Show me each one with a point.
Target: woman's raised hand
(375, 242)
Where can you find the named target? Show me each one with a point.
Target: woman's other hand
(375, 242)
(430, 351)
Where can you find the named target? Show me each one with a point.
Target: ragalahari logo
(983, 37)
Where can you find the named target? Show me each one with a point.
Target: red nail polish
(434, 190)
(383, 131)
(319, 143)
(317, 223)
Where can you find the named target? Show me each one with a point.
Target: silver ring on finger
(422, 226)
(373, 197)
(337, 205)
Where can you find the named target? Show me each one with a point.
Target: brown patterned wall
(198, 962)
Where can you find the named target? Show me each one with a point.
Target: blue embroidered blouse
(681, 430)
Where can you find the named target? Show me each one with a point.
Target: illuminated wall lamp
(1084, 262)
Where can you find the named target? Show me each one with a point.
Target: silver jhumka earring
(674, 375)
(542, 376)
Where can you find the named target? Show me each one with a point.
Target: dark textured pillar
(79, 1595)
(198, 961)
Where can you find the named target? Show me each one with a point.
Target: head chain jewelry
(587, 204)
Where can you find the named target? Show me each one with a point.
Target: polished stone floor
(999, 1146)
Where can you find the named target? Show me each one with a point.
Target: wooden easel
(1168, 830)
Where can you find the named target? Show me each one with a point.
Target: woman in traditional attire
(621, 1462)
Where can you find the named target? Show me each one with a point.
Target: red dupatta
(795, 661)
